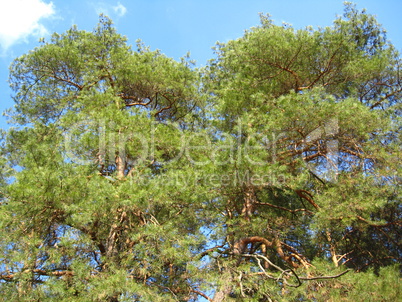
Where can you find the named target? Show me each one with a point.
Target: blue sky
(173, 26)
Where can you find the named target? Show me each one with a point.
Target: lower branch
(287, 273)
(201, 294)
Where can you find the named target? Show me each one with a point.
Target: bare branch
(325, 277)
(201, 294)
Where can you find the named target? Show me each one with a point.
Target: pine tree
(273, 174)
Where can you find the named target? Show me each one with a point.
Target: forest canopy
(271, 174)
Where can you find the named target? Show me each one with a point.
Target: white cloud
(120, 9)
(105, 8)
(100, 8)
(20, 19)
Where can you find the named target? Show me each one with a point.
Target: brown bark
(240, 247)
(41, 272)
(249, 203)
(307, 196)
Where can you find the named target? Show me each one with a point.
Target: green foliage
(273, 174)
